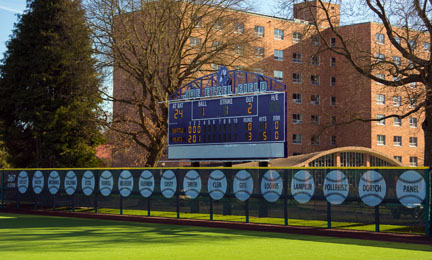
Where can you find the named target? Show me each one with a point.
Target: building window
(259, 71)
(380, 139)
(278, 34)
(259, 52)
(333, 140)
(316, 40)
(380, 56)
(397, 101)
(412, 102)
(316, 60)
(397, 39)
(333, 101)
(297, 57)
(397, 60)
(297, 98)
(412, 44)
(315, 80)
(297, 139)
(413, 85)
(380, 98)
(397, 140)
(333, 120)
(426, 46)
(218, 25)
(398, 158)
(380, 76)
(297, 36)
(381, 121)
(332, 42)
(215, 66)
(413, 122)
(216, 45)
(277, 74)
(239, 27)
(380, 38)
(413, 141)
(195, 41)
(297, 77)
(332, 81)
(413, 161)
(315, 140)
(239, 50)
(297, 119)
(397, 121)
(332, 62)
(278, 55)
(259, 31)
(315, 119)
(315, 99)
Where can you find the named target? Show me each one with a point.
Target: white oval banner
(302, 186)
(106, 183)
(168, 184)
(38, 182)
(243, 185)
(125, 183)
(23, 182)
(88, 183)
(336, 187)
(411, 189)
(146, 184)
(53, 182)
(70, 182)
(217, 185)
(372, 188)
(192, 184)
(271, 186)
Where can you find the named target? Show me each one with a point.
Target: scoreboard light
(232, 127)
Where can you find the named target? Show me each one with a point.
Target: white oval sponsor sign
(106, 183)
(146, 184)
(336, 187)
(38, 182)
(271, 186)
(217, 185)
(372, 188)
(168, 184)
(243, 185)
(192, 184)
(302, 186)
(411, 189)
(88, 183)
(70, 182)
(23, 182)
(53, 182)
(125, 183)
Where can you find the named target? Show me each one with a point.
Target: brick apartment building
(324, 90)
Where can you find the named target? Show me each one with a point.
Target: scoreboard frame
(244, 120)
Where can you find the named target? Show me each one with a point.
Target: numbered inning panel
(227, 128)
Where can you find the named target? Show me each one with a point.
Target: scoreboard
(230, 127)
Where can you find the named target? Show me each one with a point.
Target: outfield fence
(384, 199)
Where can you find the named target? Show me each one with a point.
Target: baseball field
(42, 237)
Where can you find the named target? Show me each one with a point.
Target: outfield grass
(40, 237)
(262, 220)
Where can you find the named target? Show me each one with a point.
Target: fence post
(377, 219)
(427, 202)
(211, 207)
(285, 194)
(96, 191)
(177, 195)
(329, 220)
(148, 206)
(2, 188)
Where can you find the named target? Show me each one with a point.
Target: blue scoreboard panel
(235, 127)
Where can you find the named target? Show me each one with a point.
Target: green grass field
(39, 237)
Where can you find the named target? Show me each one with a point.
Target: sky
(9, 10)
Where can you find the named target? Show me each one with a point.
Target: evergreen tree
(49, 89)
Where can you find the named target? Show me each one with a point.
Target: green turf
(262, 220)
(38, 237)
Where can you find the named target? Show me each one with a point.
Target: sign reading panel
(251, 126)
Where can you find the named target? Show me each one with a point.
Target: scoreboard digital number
(235, 127)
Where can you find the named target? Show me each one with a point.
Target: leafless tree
(154, 47)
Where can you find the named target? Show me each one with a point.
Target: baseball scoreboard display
(247, 126)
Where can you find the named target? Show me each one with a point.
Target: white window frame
(315, 60)
(315, 80)
(332, 42)
(297, 119)
(397, 140)
(333, 140)
(397, 121)
(297, 57)
(413, 141)
(426, 46)
(380, 76)
(332, 63)
(316, 40)
(382, 121)
(413, 161)
(278, 74)
(278, 34)
(397, 60)
(380, 99)
(278, 55)
(258, 31)
(315, 119)
(259, 71)
(315, 99)
(381, 140)
(239, 27)
(412, 44)
(398, 158)
(380, 56)
(299, 98)
(259, 52)
(413, 122)
(297, 37)
(333, 81)
(380, 38)
(297, 78)
(332, 102)
(297, 139)
(194, 41)
(397, 101)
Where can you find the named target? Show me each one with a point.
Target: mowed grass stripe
(40, 237)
